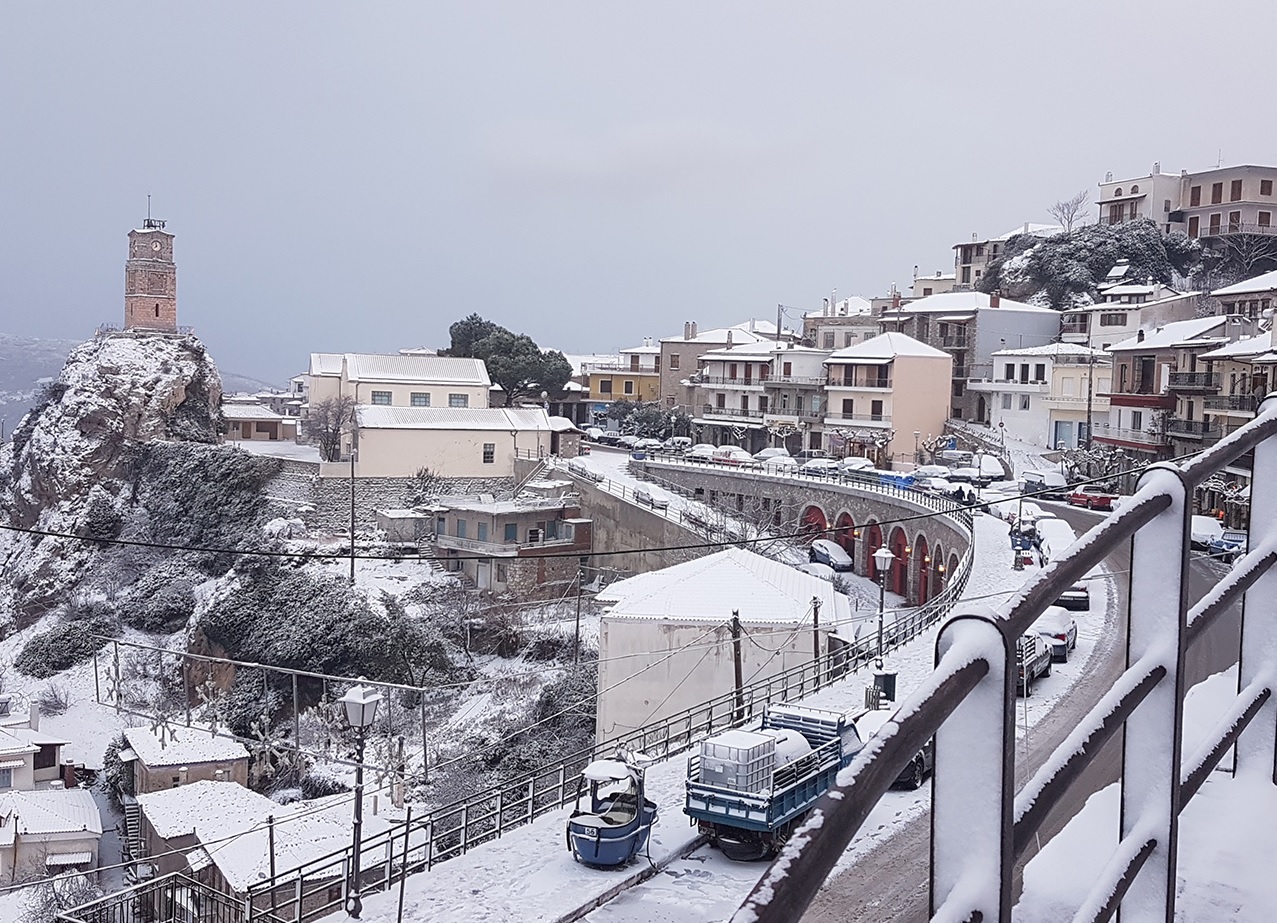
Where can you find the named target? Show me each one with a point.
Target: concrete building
(679, 356)
(399, 441)
(840, 324)
(516, 546)
(971, 326)
(182, 756)
(1253, 298)
(634, 376)
(731, 400)
(1104, 323)
(247, 419)
(936, 284)
(796, 401)
(48, 824)
(1043, 395)
(1206, 204)
(665, 643)
(404, 380)
(880, 392)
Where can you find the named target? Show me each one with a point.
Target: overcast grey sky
(356, 176)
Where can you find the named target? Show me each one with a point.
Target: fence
(979, 825)
(167, 899)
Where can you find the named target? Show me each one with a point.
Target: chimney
(33, 717)
(693, 336)
(1108, 177)
(182, 773)
(219, 775)
(687, 330)
(1157, 167)
(1139, 336)
(729, 336)
(895, 299)
(68, 775)
(995, 300)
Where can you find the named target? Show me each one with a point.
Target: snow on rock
(285, 529)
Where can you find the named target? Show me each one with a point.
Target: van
(1049, 485)
(956, 458)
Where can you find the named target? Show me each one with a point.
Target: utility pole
(576, 642)
(739, 667)
(352, 515)
(815, 635)
(1090, 384)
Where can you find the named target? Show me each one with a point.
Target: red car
(1092, 497)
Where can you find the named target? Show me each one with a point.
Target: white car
(824, 551)
(854, 463)
(1058, 631)
(1057, 535)
(628, 441)
(648, 445)
(781, 464)
(773, 452)
(820, 467)
(1203, 530)
(732, 455)
(931, 471)
(701, 452)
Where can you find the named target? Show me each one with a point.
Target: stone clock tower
(150, 279)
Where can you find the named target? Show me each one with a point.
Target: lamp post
(360, 703)
(917, 456)
(883, 559)
(353, 453)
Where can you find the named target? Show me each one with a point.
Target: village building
(680, 355)
(449, 442)
(1045, 395)
(665, 640)
(247, 418)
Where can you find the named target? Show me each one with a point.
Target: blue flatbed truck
(747, 795)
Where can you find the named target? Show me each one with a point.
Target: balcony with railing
(863, 383)
(504, 549)
(777, 380)
(1192, 429)
(1233, 403)
(1234, 227)
(1194, 381)
(754, 414)
(954, 341)
(867, 419)
(1082, 326)
(748, 381)
(1135, 437)
(795, 414)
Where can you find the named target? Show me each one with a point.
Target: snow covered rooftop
(583, 363)
(378, 416)
(231, 822)
(1257, 285)
(749, 332)
(183, 746)
(415, 368)
(563, 425)
(325, 364)
(1169, 334)
(1243, 348)
(709, 588)
(240, 410)
(853, 306)
(886, 346)
(52, 810)
(761, 351)
(1054, 350)
(964, 302)
(11, 742)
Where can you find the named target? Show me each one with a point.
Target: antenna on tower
(151, 223)
(148, 206)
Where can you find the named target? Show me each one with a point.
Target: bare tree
(328, 421)
(1248, 254)
(1072, 211)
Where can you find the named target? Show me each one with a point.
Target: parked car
(921, 766)
(1019, 510)
(677, 445)
(956, 458)
(1092, 496)
(1203, 530)
(1057, 535)
(823, 571)
(969, 476)
(733, 455)
(935, 485)
(1049, 485)
(647, 498)
(820, 467)
(627, 441)
(808, 454)
(855, 463)
(609, 437)
(1230, 545)
(931, 471)
(593, 433)
(1058, 629)
(781, 464)
(701, 452)
(1076, 597)
(649, 445)
(1033, 660)
(773, 452)
(825, 551)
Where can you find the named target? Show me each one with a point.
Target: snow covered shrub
(73, 640)
(53, 700)
(163, 599)
(101, 518)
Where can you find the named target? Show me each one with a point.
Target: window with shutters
(1235, 191)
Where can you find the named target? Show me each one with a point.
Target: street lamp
(917, 457)
(354, 454)
(360, 703)
(883, 559)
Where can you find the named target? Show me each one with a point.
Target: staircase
(134, 848)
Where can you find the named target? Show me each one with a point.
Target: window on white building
(420, 399)
(489, 453)
(463, 400)
(381, 398)
(1006, 402)
(1024, 402)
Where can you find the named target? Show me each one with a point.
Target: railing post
(973, 788)
(1257, 744)
(1151, 751)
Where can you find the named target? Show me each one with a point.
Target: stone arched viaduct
(857, 516)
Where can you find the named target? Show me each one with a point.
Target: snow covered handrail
(979, 826)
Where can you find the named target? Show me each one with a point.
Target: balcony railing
(729, 380)
(953, 342)
(1247, 403)
(789, 414)
(1192, 429)
(733, 413)
(1194, 381)
(1138, 436)
(860, 417)
(1075, 327)
(499, 549)
(794, 380)
(882, 384)
(1223, 230)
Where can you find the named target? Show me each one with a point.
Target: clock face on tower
(155, 245)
